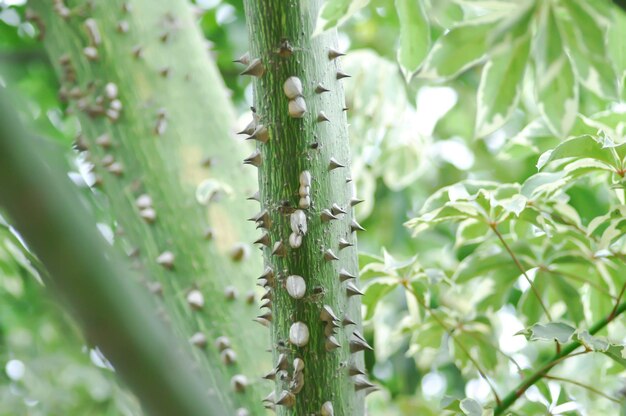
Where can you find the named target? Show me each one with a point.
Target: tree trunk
(157, 123)
(306, 213)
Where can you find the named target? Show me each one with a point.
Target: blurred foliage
(493, 178)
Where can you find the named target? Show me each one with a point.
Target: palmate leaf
(414, 35)
(556, 90)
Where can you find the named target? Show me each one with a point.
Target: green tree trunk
(158, 126)
(306, 217)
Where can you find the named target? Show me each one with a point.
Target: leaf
(617, 353)
(585, 43)
(414, 35)
(377, 289)
(581, 147)
(501, 83)
(471, 407)
(556, 90)
(571, 298)
(462, 47)
(334, 13)
(593, 343)
(549, 332)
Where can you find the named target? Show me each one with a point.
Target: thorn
(353, 370)
(341, 75)
(266, 316)
(327, 409)
(327, 314)
(334, 54)
(228, 356)
(260, 134)
(334, 164)
(279, 249)
(352, 290)
(320, 89)
(321, 116)
(297, 107)
(347, 321)
(249, 129)
(336, 210)
(330, 256)
(270, 376)
(230, 292)
(327, 216)
(282, 363)
(255, 69)
(355, 226)
(137, 51)
(358, 344)
(254, 159)
(254, 197)
(264, 240)
(195, 299)
(345, 275)
(198, 339)
(343, 243)
(348, 179)
(166, 259)
(331, 344)
(262, 216)
(268, 275)
(239, 383)
(355, 201)
(262, 321)
(362, 383)
(165, 72)
(243, 59)
(270, 398)
(292, 87)
(286, 399)
(222, 343)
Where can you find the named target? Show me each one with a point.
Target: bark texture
(306, 218)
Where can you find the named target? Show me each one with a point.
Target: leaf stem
(584, 386)
(521, 268)
(566, 352)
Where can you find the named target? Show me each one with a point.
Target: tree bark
(308, 226)
(158, 126)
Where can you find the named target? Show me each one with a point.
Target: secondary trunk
(306, 217)
(157, 124)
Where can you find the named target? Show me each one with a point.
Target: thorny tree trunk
(157, 122)
(306, 218)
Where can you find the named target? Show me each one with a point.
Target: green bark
(314, 141)
(156, 120)
(115, 315)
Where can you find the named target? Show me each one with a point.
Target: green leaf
(593, 343)
(335, 12)
(471, 407)
(501, 80)
(571, 298)
(617, 353)
(556, 90)
(585, 43)
(581, 147)
(414, 35)
(464, 46)
(377, 289)
(549, 332)
(617, 34)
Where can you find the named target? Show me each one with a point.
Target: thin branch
(454, 339)
(584, 386)
(566, 352)
(617, 301)
(521, 268)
